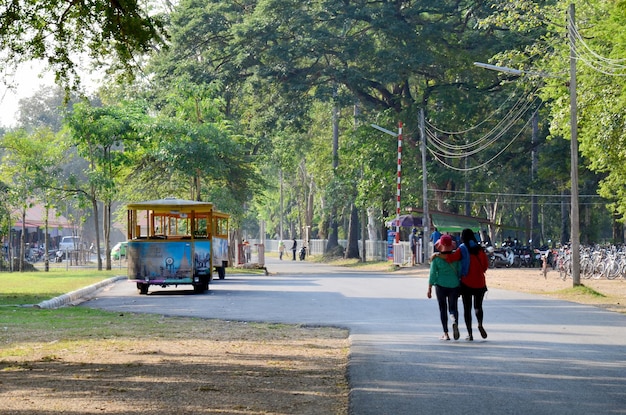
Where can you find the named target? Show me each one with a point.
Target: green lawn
(19, 288)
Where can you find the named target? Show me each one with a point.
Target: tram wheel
(202, 287)
(143, 288)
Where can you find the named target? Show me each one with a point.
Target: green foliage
(58, 32)
(243, 100)
(29, 169)
(102, 136)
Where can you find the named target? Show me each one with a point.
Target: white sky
(26, 80)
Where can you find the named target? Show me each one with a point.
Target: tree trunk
(564, 220)
(364, 235)
(333, 238)
(352, 250)
(618, 231)
(46, 259)
(22, 241)
(96, 220)
(106, 227)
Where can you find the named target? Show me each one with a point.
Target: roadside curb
(70, 297)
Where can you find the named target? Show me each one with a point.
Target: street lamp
(399, 175)
(574, 215)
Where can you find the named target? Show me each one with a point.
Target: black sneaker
(482, 331)
(455, 331)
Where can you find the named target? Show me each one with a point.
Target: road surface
(542, 356)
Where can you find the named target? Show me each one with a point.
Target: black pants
(472, 297)
(448, 299)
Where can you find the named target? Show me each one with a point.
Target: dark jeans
(447, 299)
(472, 297)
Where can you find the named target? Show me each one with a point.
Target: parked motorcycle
(501, 257)
(545, 254)
(525, 257)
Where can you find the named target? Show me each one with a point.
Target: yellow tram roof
(171, 204)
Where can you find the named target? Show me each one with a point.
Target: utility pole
(280, 176)
(426, 220)
(399, 182)
(534, 221)
(575, 224)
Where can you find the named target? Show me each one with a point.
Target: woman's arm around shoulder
(454, 256)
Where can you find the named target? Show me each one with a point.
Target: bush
(334, 253)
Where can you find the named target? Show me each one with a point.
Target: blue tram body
(176, 242)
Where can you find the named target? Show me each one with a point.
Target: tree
(28, 168)
(45, 108)
(59, 32)
(267, 74)
(600, 71)
(387, 55)
(102, 135)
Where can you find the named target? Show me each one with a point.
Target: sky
(27, 79)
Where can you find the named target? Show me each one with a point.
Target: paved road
(542, 356)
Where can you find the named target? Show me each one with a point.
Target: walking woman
(445, 277)
(474, 264)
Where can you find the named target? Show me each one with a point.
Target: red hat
(445, 243)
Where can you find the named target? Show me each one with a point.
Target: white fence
(374, 250)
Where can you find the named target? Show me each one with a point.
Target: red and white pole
(399, 181)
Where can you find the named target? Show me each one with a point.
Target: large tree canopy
(286, 90)
(59, 32)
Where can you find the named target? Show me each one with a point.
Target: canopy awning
(454, 223)
(405, 221)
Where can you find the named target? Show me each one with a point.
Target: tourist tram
(176, 242)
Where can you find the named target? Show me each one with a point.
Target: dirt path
(607, 294)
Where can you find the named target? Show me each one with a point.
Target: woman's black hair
(469, 239)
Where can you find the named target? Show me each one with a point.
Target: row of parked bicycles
(596, 262)
(599, 262)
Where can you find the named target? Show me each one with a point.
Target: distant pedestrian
(434, 237)
(247, 250)
(281, 249)
(414, 247)
(294, 248)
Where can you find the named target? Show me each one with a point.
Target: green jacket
(444, 274)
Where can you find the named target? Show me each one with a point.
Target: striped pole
(399, 181)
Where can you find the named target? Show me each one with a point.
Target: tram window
(201, 230)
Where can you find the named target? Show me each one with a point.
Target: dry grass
(189, 366)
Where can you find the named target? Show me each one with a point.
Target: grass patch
(34, 287)
(77, 324)
(20, 288)
(356, 263)
(586, 295)
(244, 271)
(582, 291)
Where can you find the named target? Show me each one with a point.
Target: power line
(595, 61)
(506, 194)
(442, 149)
